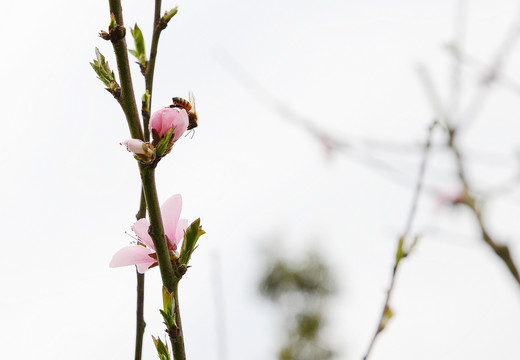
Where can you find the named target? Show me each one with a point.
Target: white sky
(70, 191)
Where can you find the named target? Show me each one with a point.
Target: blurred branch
(469, 116)
(502, 251)
(401, 252)
(459, 30)
(499, 77)
(329, 141)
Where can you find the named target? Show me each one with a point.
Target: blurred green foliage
(300, 290)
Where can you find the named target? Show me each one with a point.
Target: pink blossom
(163, 120)
(143, 253)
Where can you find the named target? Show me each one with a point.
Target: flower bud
(163, 120)
(142, 151)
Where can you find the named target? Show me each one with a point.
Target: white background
(69, 191)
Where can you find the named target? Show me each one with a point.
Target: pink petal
(140, 228)
(142, 268)
(170, 212)
(181, 228)
(135, 146)
(180, 122)
(131, 255)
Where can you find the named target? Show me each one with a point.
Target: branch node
(117, 33)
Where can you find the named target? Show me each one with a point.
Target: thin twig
(401, 253)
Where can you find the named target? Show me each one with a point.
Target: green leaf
(167, 312)
(400, 253)
(138, 39)
(103, 71)
(139, 52)
(145, 100)
(167, 300)
(191, 236)
(387, 315)
(162, 349)
(169, 14)
(162, 146)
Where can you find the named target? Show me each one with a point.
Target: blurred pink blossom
(451, 197)
(143, 253)
(163, 120)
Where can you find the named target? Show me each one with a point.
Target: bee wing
(192, 101)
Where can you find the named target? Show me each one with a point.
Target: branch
(502, 251)
(177, 338)
(160, 24)
(140, 324)
(127, 99)
(156, 229)
(401, 253)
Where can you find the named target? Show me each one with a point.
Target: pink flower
(163, 120)
(143, 253)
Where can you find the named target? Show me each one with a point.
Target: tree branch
(127, 98)
(386, 314)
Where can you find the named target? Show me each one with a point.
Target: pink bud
(136, 146)
(142, 151)
(163, 120)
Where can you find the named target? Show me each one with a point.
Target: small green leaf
(145, 100)
(113, 22)
(162, 146)
(167, 312)
(138, 39)
(387, 315)
(169, 14)
(103, 71)
(400, 253)
(167, 300)
(191, 236)
(162, 349)
(139, 52)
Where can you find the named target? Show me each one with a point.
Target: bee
(189, 106)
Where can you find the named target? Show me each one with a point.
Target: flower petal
(170, 212)
(140, 228)
(135, 146)
(181, 228)
(142, 268)
(181, 124)
(131, 255)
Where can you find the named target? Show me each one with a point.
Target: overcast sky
(69, 191)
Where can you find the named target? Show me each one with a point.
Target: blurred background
(312, 120)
